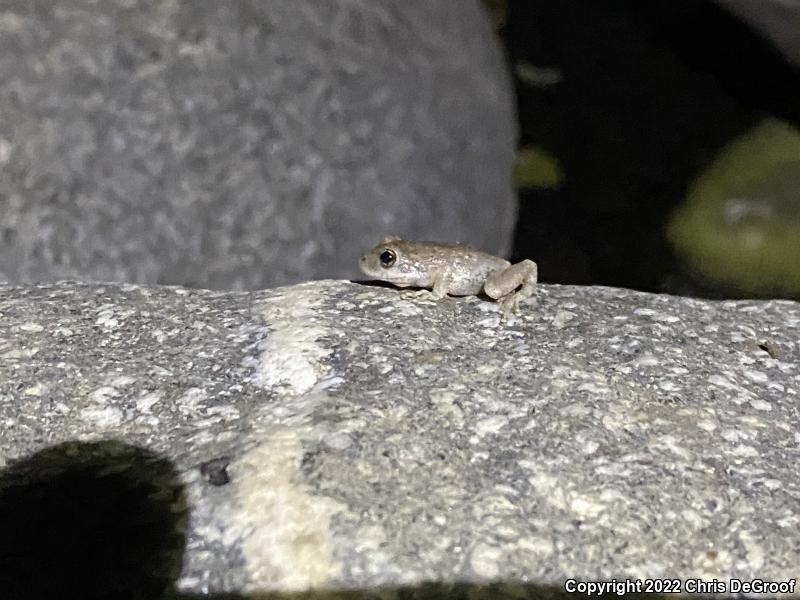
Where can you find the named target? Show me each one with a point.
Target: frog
(450, 269)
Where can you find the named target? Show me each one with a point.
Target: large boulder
(334, 435)
(776, 20)
(246, 144)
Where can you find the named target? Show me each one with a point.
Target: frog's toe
(509, 304)
(418, 293)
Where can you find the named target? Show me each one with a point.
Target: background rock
(332, 434)
(777, 20)
(245, 144)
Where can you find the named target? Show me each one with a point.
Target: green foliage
(740, 222)
(533, 76)
(535, 168)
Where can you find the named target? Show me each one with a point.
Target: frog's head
(388, 261)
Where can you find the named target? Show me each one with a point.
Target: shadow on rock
(431, 591)
(90, 520)
(108, 520)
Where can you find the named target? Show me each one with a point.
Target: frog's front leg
(502, 283)
(441, 283)
(437, 289)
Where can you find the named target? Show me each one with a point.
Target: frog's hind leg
(502, 284)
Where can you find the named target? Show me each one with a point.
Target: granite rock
(338, 435)
(776, 20)
(246, 144)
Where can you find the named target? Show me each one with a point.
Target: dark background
(649, 94)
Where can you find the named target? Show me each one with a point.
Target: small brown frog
(450, 269)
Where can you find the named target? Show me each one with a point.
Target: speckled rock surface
(246, 144)
(334, 434)
(777, 20)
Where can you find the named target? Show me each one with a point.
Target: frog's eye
(388, 258)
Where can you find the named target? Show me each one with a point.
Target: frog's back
(468, 267)
(441, 248)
